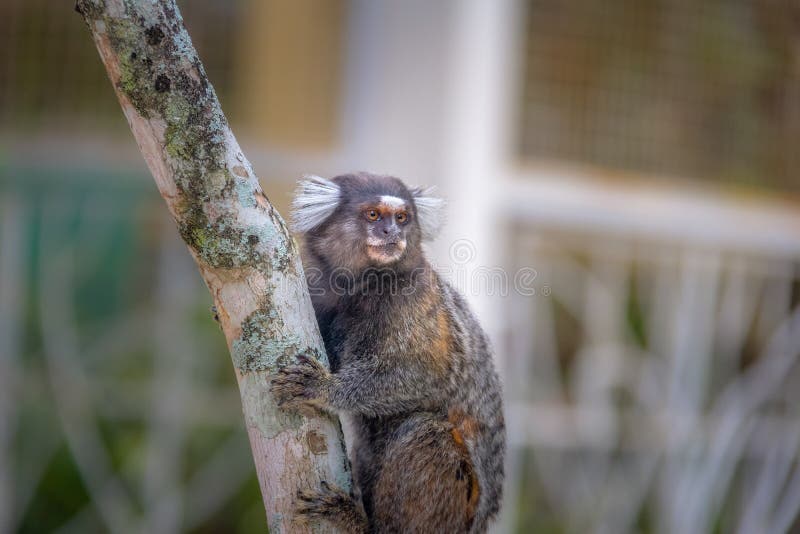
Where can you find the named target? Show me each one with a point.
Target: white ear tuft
(315, 200)
(430, 211)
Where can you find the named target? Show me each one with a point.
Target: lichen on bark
(264, 344)
(184, 104)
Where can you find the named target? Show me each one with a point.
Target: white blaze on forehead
(393, 202)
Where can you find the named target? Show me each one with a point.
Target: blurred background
(636, 161)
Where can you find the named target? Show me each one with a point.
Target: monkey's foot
(333, 505)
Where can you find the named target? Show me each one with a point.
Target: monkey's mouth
(386, 251)
(388, 246)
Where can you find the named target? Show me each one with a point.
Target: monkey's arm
(365, 386)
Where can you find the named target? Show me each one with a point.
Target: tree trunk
(241, 245)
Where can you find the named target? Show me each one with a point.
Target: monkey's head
(356, 221)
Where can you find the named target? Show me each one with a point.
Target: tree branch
(241, 245)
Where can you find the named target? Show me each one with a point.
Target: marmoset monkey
(411, 367)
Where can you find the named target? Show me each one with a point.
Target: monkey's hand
(302, 386)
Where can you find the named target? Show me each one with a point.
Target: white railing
(656, 374)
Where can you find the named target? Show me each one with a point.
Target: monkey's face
(358, 221)
(386, 224)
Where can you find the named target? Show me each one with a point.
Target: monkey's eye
(401, 217)
(372, 215)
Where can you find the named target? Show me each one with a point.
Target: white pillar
(394, 79)
(477, 142)
(430, 88)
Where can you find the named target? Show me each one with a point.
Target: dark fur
(412, 369)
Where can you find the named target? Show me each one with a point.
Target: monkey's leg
(333, 505)
(426, 483)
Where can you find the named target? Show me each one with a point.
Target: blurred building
(623, 214)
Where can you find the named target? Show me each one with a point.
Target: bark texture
(242, 246)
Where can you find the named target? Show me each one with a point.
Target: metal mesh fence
(50, 76)
(704, 90)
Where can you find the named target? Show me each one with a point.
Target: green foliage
(59, 496)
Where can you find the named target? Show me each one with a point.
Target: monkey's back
(482, 400)
(451, 432)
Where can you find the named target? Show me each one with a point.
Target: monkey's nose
(386, 231)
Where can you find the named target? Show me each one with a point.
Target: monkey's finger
(304, 359)
(309, 510)
(293, 395)
(311, 502)
(309, 498)
(292, 376)
(290, 387)
(302, 371)
(309, 364)
(306, 495)
(305, 370)
(287, 379)
(285, 390)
